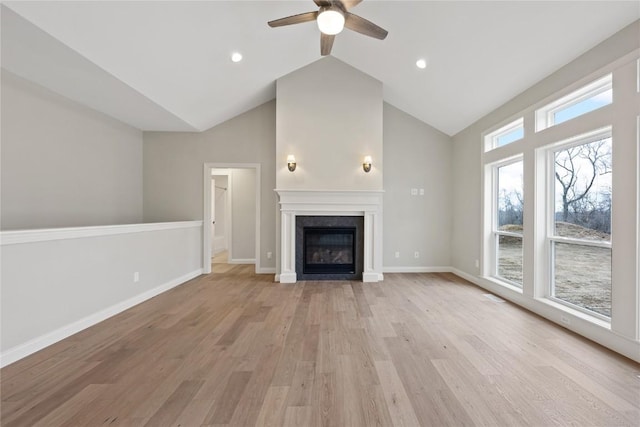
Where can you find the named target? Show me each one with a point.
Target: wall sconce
(291, 162)
(366, 164)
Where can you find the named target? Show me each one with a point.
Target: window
(507, 134)
(508, 215)
(580, 222)
(589, 98)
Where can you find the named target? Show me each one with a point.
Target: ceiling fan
(332, 17)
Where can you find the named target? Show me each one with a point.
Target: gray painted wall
(173, 168)
(329, 115)
(243, 214)
(64, 164)
(418, 156)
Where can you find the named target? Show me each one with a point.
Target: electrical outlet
(564, 319)
(416, 254)
(269, 254)
(422, 191)
(397, 254)
(136, 277)
(477, 263)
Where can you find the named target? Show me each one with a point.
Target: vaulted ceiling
(166, 65)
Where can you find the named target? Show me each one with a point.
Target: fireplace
(332, 209)
(328, 250)
(329, 247)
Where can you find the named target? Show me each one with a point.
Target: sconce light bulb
(291, 162)
(366, 163)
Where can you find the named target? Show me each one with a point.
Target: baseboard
(23, 350)
(266, 270)
(416, 269)
(287, 278)
(241, 261)
(371, 277)
(465, 276)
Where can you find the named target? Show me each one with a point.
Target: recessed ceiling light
(421, 63)
(236, 57)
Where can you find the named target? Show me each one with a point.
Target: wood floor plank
(236, 349)
(223, 410)
(400, 409)
(273, 408)
(175, 404)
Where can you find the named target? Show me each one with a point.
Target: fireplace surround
(320, 203)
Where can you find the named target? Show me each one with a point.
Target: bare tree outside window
(583, 190)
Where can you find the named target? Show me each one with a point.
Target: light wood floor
(237, 349)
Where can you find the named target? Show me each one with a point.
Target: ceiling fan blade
(326, 43)
(362, 26)
(294, 19)
(348, 4)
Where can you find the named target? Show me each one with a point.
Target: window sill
(575, 313)
(503, 283)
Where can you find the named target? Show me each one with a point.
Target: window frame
(545, 115)
(491, 138)
(495, 231)
(551, 238)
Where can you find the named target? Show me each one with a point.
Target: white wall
(85, 275)
(64, 164)
(416, 156)
(329, 115)
(173, 167)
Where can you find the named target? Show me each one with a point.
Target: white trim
(241, 261)
(581, 242)
(16, 237)
(416, 269)
(23, 350)
(491, 138)
(266, 270)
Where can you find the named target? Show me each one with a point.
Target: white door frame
(206, 213)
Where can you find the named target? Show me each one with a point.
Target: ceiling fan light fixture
(331, 21)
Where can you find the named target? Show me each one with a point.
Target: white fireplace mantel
(331, 203)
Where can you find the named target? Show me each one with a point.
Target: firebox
(329, 247)
(329, 250)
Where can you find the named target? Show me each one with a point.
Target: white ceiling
(166, 65)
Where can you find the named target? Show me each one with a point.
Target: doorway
(231, 229)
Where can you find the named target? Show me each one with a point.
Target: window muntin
(505, 135)
(584, 100)
(580, 223)
(508, 222)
